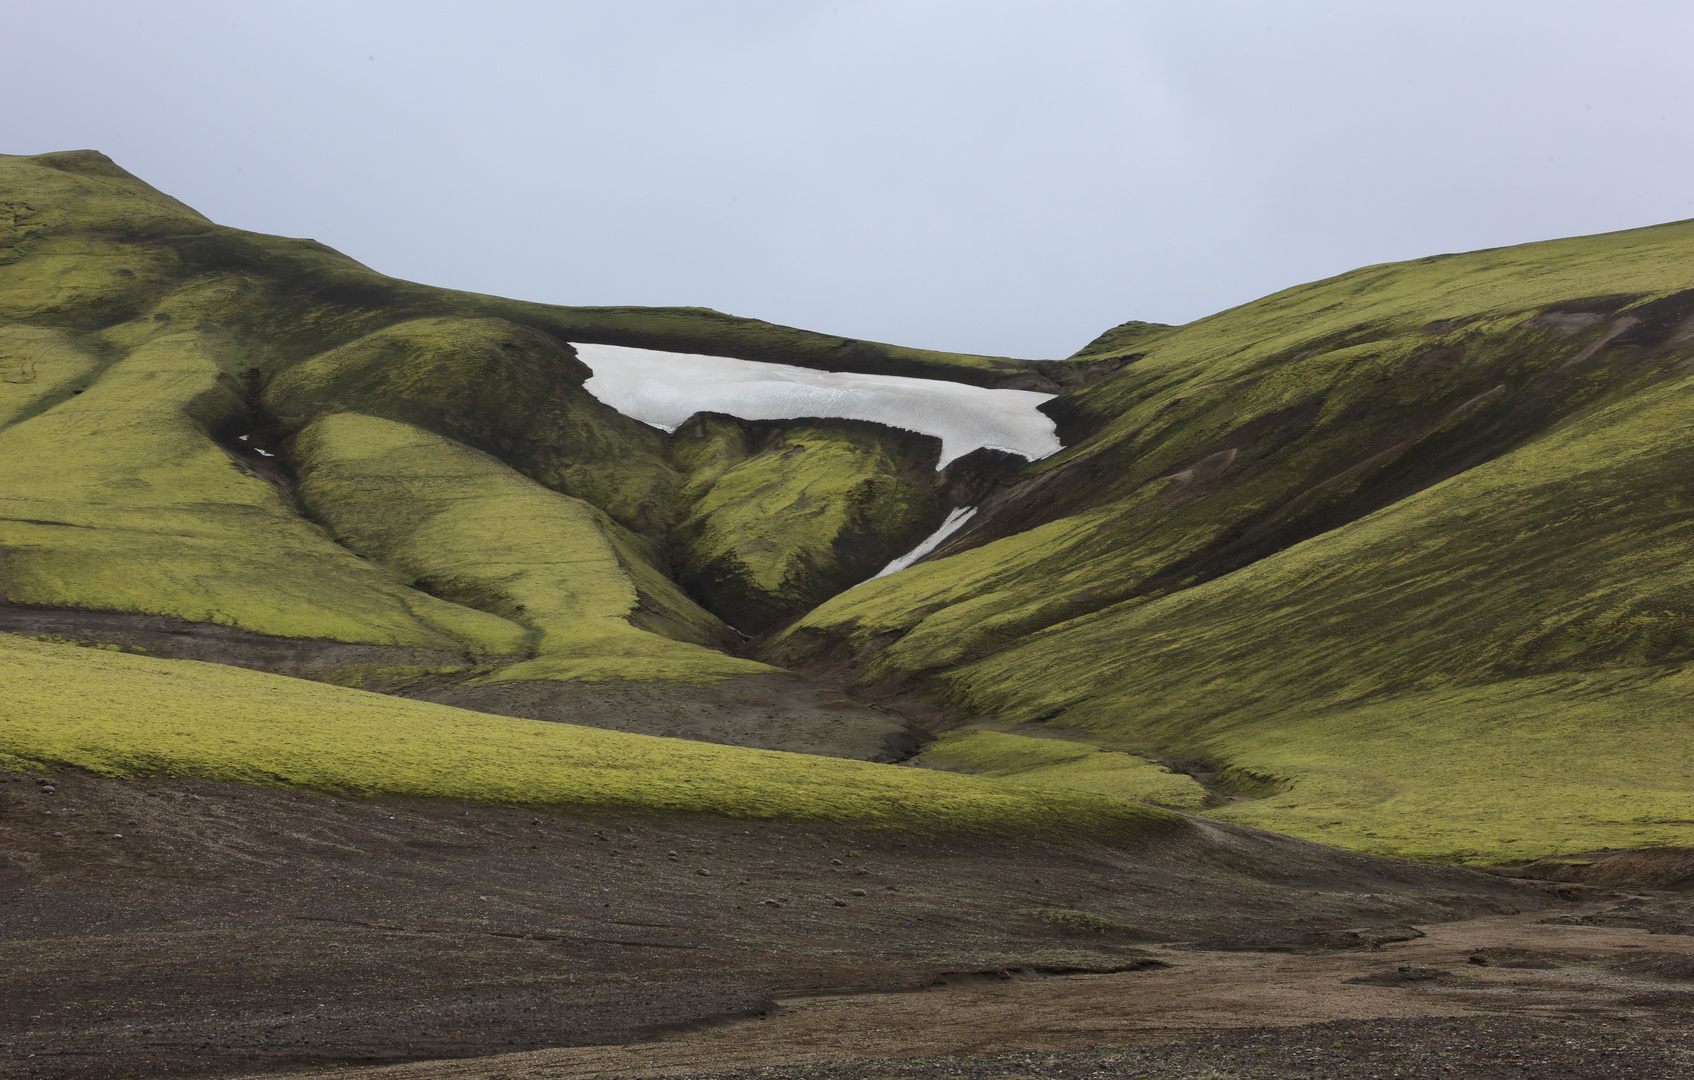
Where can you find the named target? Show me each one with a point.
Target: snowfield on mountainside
(665, 388)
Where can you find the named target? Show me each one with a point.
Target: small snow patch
(955, 521)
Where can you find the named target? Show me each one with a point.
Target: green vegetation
(785, 516)
(1403, 553)
(486, 537)
(38, 366)
(136, 337)
(126, 716)
(497, 386)
(1497, 774)
(1292, 528)
(116, 499)
(1059, 764)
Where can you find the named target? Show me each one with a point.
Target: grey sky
(1000, 177)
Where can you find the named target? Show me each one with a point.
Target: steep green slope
(1286, 526)
(1062, 765)
(116, 499)
(1509, 648)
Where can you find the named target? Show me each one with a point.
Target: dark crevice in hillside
(253, 439)
(1392, 474)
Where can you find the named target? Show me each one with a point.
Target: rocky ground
(1506, 996)
(177, 927)
(1477, 1048)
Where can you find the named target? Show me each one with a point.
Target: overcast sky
(980, 175)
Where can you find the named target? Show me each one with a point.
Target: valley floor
(177, 927)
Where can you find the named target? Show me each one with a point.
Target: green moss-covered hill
(1397, 561)
(251, 430)
(1405, 552)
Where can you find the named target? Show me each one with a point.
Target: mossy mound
(506, 389)
(1063, 765)
(470, 529)
(782, 516)
(116, 499)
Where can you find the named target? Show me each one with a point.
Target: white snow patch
(665, 388)
(955, 521)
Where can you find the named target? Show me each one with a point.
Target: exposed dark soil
(768, 712)
(170, 927)
(1477, 1048)
(177, 639)
(1657, 868)
(1503, 996)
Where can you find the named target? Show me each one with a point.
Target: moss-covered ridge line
(93, 193)
(126, 715)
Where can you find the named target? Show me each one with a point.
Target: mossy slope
(1309, 514)
(126, 715)
(1062, 765)
(479, 533)
(100, 275)
(782, 516)
(116, 499)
